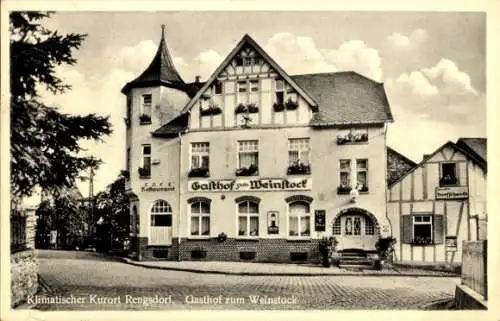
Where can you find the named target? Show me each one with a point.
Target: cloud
(417, 83)
(400, 41)
(299, 55)
(357, 56)
(447, 72)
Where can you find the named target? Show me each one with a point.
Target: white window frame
(199, 154)
(414, 222)
(345, 171)
(247, 215)
(300, 149)
(456, 174)
(361, 169)
(246, 152)
(299, 217)
(200, 216)
(144, 105)
(144, 156)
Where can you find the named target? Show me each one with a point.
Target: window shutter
(438, 229)
(406, 227)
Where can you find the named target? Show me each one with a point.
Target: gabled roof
(398, 168)
(174, 127)
(161, 70)
(346, 98)
(471, 156)
(247, 40)
(476, 145)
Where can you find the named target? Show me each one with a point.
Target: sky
(433, 65)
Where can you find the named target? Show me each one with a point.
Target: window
(200, 155)
(298, 151)
(147, 102)
(345, 172)
(448, 174)
(337, 227)
(129, 109)
(218, 88)
(299, 219)
(352, 136)
(280, 92)
(161, 214)
(422, 229)
(248, 154)
(200, 218)
(369, 227)
(248, 92)
(146, 160)
(248, 218)
(127, 166)
(239, 61)
(362, 174)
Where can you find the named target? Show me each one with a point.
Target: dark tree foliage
(44, 142)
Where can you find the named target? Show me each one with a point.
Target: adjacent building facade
(254, 164)
(440, 203)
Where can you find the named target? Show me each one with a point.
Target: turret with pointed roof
(161, 71)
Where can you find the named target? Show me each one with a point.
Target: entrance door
(353, 227)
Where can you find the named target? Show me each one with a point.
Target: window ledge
(353, 143)
(247, 238)
(144, 177)
(298, 238)
(199, 238)
(419, 244)
(145, 122)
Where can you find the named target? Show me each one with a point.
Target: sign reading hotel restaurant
(319, 220)
(245, 185)
(450, 193)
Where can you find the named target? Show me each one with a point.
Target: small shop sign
(451, 243)
(272, 222)
(452, 193)
(244, 185)
(319, 220)
(158, 187)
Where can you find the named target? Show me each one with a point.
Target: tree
(45, 142)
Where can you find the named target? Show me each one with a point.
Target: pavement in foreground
(91, 281)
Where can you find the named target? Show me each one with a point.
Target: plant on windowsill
(221, 237)
(291, 105)
(125, 174)
(385, 250)
(212, 109)
(144, 172)
(278, 107)
(447, 181)
(247, 171)
(199, 172)
(299, 168)
(144, 119)
(350, 138)
(363, 188)
(344, 189)
(249, 108)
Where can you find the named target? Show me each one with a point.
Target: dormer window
(448, 174)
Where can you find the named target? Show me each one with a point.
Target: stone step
(356, 266)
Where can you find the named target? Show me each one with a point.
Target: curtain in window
(305, 223)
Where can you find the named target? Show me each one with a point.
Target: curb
(428, 306)
(199, 271)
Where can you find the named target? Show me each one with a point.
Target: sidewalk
(273, 269)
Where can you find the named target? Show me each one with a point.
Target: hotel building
(254, 164)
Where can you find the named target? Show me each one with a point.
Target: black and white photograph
(197, 159)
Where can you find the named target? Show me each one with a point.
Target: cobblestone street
(91, 276)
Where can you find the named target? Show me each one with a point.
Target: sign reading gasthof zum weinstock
(244, 185)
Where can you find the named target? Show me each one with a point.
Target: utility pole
(91, 200)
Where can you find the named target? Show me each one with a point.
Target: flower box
(248, 108)
(350, 138)
(198, 172)
(144, 119)
(299, 169)
(278, 107)
(144, 172)
(291, 105)
(211, 110)
(341, 190)
(247, 171)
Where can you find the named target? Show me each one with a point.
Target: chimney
(197, 79)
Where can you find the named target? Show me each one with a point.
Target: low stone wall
(24, 276)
